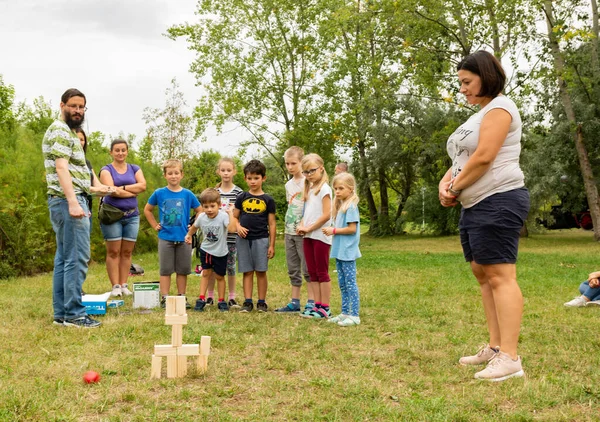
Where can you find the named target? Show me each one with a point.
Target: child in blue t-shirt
(344, 248)
(174, 203)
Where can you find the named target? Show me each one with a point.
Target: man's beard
(73, 123)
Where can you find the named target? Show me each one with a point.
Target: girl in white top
(316, 245)
(486, 179)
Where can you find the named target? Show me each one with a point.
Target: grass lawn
(421, 311)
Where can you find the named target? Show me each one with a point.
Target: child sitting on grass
(590, 292)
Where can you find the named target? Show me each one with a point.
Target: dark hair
(72, 92)
(210, 196)
(118, 141)
(80, 130)
(488, 68)
(255, 167)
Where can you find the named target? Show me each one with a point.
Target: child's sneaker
(307, 312)
(337, 318)
(223, 307)
(198, 270)
(125, 291)
(163, 302)
(500, 368)
(200, 304)
(247, 307)
(262, 307)
(593, 303)
(59, 321)
(287, 309)
(484, 354)
(210, 301)
(187, 304)
(116, 290)
(233, 304)
(349, 321)
(578, 302)
(321, 313)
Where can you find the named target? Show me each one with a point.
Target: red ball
(91, 377)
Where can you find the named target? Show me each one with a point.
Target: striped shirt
(228, 198)
(60, 142)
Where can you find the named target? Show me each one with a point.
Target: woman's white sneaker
(500, 368)
(484, 354)
(125, 291)
(116, 290)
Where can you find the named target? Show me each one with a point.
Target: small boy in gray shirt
(215, 224)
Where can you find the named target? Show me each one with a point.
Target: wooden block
(165, 350)
(205, 345)
(177, 335)
(181, 366)
(176, 319)
(188, 350)
(156, 367)
(180, 305)
(202, 364)
(171, 307)
(172, 366)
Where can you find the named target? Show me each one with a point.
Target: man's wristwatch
(452, 191)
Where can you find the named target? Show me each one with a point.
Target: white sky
(111, 50)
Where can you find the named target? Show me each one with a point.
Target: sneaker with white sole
(578, 302)
(593, 303)
(484, 354)
(125, 291)
(337, 318)
(116, 291)
(349, 321)
(82, 322)
(500, 368)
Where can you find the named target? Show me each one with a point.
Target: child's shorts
(217, 263)
(174, 257)
(252, 254)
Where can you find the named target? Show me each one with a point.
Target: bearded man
(68, 180)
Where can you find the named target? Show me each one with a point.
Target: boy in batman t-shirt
(255, 215)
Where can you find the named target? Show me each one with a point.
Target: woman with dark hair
(486, 179)
(120, 237)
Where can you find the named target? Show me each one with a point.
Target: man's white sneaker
(125, 291)
(500, 368)
(484, 354)
(116, 290)
(578, 302)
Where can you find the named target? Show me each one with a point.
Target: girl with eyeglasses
(316, 245)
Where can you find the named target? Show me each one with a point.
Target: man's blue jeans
(71, 259)
(589, 292)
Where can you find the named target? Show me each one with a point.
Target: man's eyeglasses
(77, 108)
(309, 172)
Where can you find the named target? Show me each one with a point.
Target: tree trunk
(366, 183)
(587, 174)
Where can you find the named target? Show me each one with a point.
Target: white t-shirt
(294, 190)
(215, 233)
(504, 174)
(313, 209)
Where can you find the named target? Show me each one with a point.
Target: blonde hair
(294, 152)
(348, 181)
(171, 162)
(225, 160)
(307, 162)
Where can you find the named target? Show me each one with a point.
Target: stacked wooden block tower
(176, 352)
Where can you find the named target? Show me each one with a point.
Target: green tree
(259, 63)
(170, 130)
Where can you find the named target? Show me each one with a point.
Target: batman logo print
(254, 206)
